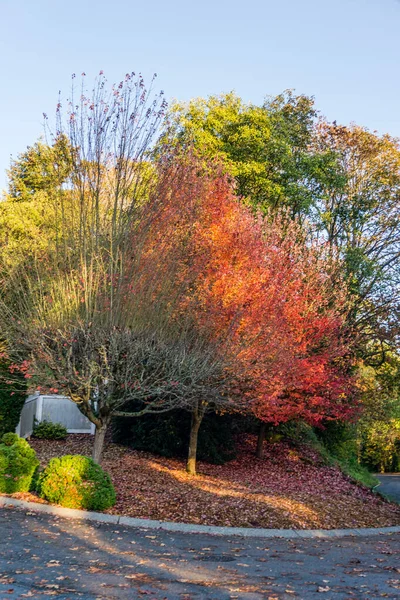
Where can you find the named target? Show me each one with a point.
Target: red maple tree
(272, 301)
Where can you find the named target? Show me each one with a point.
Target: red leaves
(243, 303)
(259, 292)
(22, 367)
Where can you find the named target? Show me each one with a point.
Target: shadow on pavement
(41, 555)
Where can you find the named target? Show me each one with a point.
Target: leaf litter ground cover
(288, 488)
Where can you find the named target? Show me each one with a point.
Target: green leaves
(265, 148)
(76, 482)
(41, 168)
(17, 464)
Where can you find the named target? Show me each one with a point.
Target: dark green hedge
(12, 398)
(168, 435)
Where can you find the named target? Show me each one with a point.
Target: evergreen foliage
(12, 398)
(168, 435)
(76, 482)
(50, 431)
(18, 463)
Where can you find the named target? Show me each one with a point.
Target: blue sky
(344, 52)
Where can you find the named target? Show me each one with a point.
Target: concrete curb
(71, 513)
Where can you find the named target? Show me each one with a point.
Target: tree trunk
(261, 440)
(197, 417)
(98, 445)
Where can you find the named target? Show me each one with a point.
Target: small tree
(100, 315)
(76, 287)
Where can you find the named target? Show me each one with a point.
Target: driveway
(390, 486)
(42, 555)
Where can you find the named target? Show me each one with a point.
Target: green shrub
(341, 442)
(49, 431)
(168, 435)
(340, 439)
(76, 482)
(18, 463)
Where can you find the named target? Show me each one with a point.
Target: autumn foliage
(203, 306)
(137, 278)
(273, 304)
(162, 290)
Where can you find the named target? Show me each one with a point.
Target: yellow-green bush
(76, 482)
(18, 463)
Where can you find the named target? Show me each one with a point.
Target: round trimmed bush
(76, 482)
(18, 463)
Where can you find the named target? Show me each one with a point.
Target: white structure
(56, 409)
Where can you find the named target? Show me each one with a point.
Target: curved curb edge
(72, 513)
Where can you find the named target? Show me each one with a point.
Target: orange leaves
(264, 298)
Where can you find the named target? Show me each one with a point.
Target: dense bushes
(50, 431)
(339, 439)
(18, 463)
(380, 449)
(12, 398)
(168, 435)
(76, 482)
(10, 438)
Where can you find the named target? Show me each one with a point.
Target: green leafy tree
(379, 426)
(265, 148)
(37, 205)
(357, 212)
(41, 168)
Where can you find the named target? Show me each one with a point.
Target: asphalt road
(390, 486)
(41, 555)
